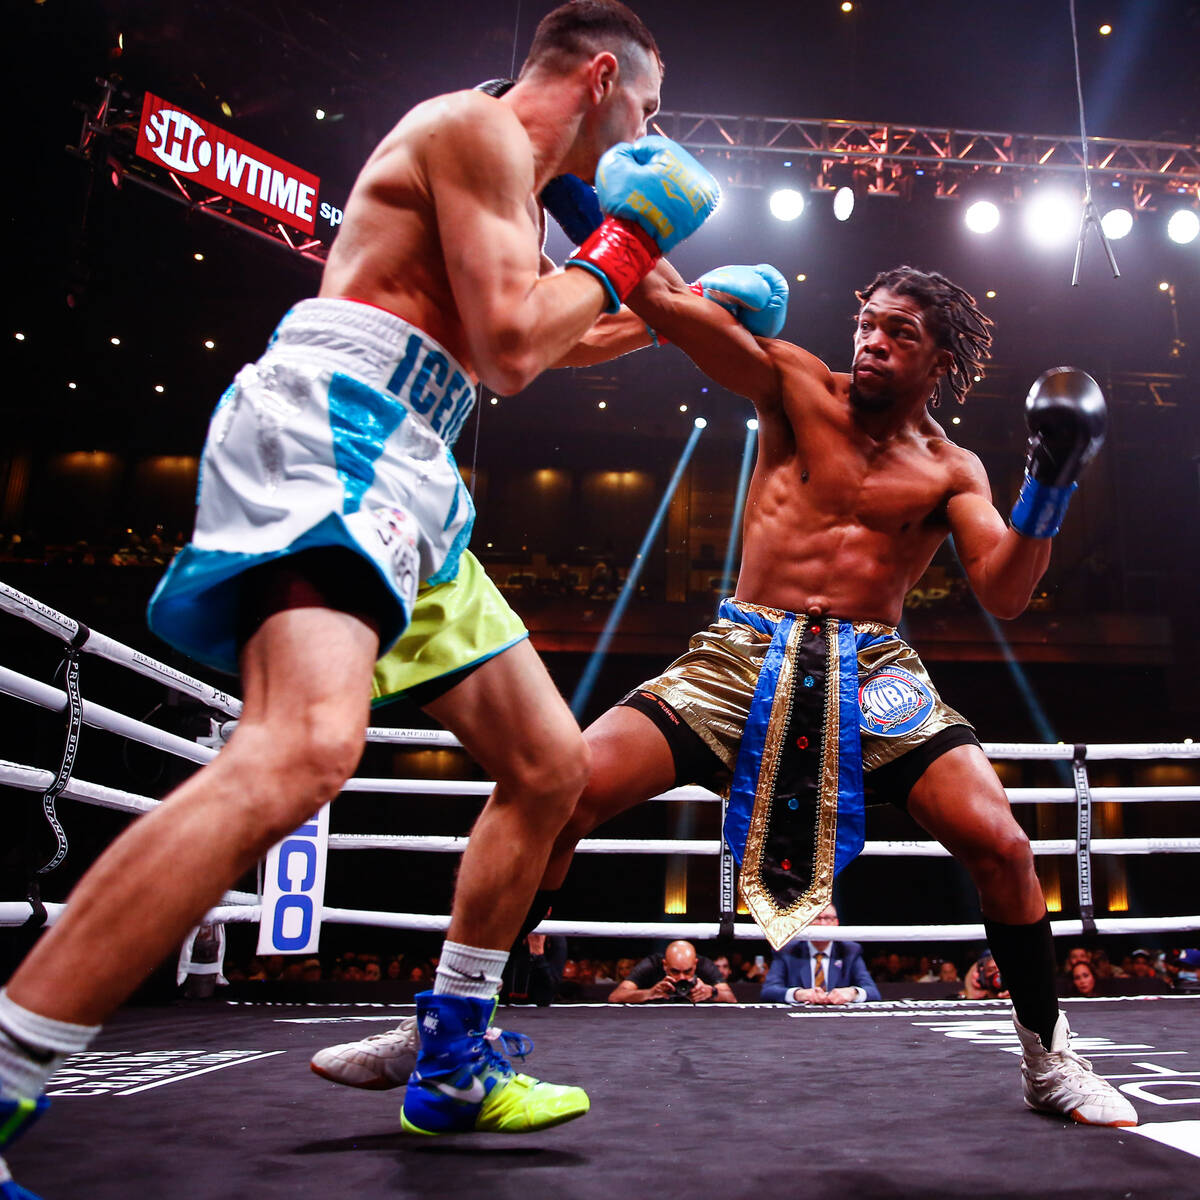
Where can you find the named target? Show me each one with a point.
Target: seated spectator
(534, 970)
(819, 972)
(570, 986)
(893, 971)
(756, 970)
(624, 966)
(948, 973)
(677, 975)
(1102, 967)
(721, 962)
(1083, 980)
(311, 971)
(983, 981)
(1075, 955)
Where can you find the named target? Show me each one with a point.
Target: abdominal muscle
(846, 570)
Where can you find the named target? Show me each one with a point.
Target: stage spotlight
(700, 423)
(786, 204)
(1183, 226)
(752, 424)
(843, 203)
(319, 114)
(1116, 223)
(982, 217)
(1052, 218)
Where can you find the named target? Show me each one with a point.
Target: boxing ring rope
(244, 907)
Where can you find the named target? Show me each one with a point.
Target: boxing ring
(741, 1094)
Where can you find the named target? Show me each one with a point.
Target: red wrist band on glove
(622, 251)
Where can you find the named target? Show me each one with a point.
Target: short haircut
(955, 321)
(584, 28)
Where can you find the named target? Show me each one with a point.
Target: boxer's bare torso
(392, 248)
(844, 513)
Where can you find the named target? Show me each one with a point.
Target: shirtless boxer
(329, 499)
(855, 488)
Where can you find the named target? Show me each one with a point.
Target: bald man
(676, 975)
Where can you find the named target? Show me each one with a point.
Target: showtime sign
(227, 164)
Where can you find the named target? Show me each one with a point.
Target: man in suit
(815, 972)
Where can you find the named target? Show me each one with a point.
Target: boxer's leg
(631, 761)
(959, 800)
(510, 717)
(307, 675)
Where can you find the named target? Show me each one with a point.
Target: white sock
(469, 971)
(33, 1046)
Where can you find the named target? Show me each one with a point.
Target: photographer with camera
(677, 976)
(982, 980)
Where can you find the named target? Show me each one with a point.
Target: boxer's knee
(286, 775)
(547, 780)
(1003, 862)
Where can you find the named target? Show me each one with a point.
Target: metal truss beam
(889, 156)
(883, 158)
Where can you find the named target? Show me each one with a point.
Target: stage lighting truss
(739, 150)
(888, 160)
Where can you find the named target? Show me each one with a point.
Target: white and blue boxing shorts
(338, 436)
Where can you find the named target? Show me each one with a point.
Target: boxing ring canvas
(216, 1100)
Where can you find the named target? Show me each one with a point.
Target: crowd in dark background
(1095, 970)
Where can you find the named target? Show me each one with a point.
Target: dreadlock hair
(582, 28)
(955, 321)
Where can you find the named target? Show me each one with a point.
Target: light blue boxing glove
(757, 296)
(653, 194)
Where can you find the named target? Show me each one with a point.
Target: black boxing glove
(1067, 417)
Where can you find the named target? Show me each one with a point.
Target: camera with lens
(989, 975)
(683, 989)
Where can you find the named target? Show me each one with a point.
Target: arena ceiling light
(1116, 223)
(843, 203)
(786, 204)
(982, 217)
(1052, 218)
(1183, 226)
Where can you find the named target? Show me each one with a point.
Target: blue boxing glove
(1067, 418)
(653, 194)
(573, 204)
(757, 296)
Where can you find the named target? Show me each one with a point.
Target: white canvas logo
(178, 141)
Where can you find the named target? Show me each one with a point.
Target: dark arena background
(136, 294)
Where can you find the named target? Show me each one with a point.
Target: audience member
(1083, 980)
(982, 981)
(819, 972)
(675, 976)
(948, 973)
(534, 970)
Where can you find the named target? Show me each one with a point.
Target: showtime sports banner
(227, 164)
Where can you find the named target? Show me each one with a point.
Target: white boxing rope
(33, 779)
(98, 717)
(45, 618)
(18, 913)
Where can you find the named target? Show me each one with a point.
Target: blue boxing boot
(16, 1116)
(462, 1083)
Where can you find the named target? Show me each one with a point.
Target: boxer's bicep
(481, 178)
(711, 337)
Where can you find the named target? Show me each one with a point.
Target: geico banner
(227, 164)
(294, 890)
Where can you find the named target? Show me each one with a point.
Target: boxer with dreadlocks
(802, 695)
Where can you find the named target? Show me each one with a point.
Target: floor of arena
(902, 1099)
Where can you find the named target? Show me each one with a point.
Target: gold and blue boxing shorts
(796, 712)
(455, 627)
